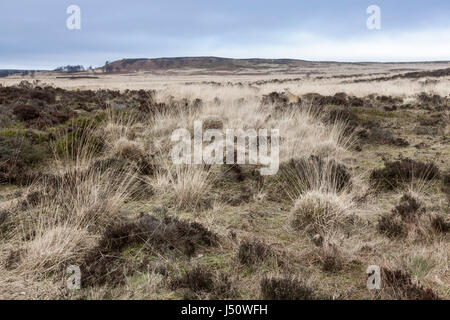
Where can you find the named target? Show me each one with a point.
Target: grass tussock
(298, 176)
(319, 212)
(127, 149)
(186, 185)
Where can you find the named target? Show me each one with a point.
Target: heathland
(86, 180)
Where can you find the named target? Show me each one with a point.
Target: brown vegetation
(87, 180)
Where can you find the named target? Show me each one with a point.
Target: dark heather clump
(103, 263)
(197, 279)
(280, 102)
(253, 251)
(339, 99)
(399, 285)
(18, 155)
(201, 279)
(342, 114)
(25, 113)
(377, 135)
(99, 268)
(440, 225)
(331, 258)
(3, 216)
(274, 98)
(395, 173)
(162, 234)
(393, 224)
(446, 184)
(285, 288)
(409, 208)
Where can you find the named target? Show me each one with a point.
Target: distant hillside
(211, 63)
(23, 72)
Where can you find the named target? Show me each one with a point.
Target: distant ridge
(7, 72)
(212, 63)
(218, 64)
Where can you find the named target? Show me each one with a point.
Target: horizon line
(230, 58)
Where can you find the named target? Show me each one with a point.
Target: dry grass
(305, 214)
(447, 121)
(303, 135)
(53, 248)
(128, 149)
(320, 212)
(70, 208)
(187, 185)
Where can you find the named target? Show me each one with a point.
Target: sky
(34, 33)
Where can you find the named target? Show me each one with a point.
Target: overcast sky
(33, 33)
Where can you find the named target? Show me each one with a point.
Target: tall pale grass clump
(122, 135)
(187, 185)
(313, 178)
(321, 192)
(304, 134)
(53, 247)
(128, 149)
(84, 197)
(320, 212)
(77, 148)
(164, 122)
(118, 124)
(420, 188)
(301, 175)
(323, 197)
(19, 285)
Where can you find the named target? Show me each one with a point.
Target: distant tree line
(70, 69)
